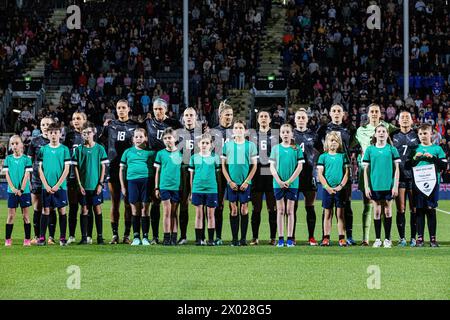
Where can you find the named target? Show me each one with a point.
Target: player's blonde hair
(333, 135)
(223, 106)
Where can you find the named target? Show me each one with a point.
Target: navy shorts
(406, 184)
(329, 201)
(239, 196)
(422, 201)
(210, 200)
(381, 195)
(289, 193)
(172, 195)
(24, 200)
(91, 198)
(56, 200)
(138, 190)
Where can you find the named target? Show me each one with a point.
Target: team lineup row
(173, 164)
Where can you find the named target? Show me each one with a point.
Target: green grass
(262, 272)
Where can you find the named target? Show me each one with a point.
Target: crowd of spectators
(330, 56)
(125, 49)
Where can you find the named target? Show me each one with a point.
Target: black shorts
(381, 195)
(262, 181)
(423, 202)
(113, 175)
(36, 188)
(307, 183)
(406, 184)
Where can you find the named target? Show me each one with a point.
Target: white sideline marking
(442, 211)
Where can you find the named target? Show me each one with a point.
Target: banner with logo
(425, 178)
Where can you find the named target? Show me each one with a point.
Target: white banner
(425, 178)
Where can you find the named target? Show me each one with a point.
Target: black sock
(198, 236)
(400, 219)
(281, 238)
(387, 227)
(115, 228)
(99, 225)
(218, 214)
(311, 220)
(27, 229)
(73, 212)
(348, 217)
(289, 238)
(128, 224)
(184, 220)
(341, 236)
(136, 221)
(62, 226)
(326, 237)
(90, 222)
(145, 222)
(420, 222)
(52, 223)
(154, 218)
(211, 234)
(234, 223)
(44, 225)
(83, 226)
(173, 237)
(273, 224)
(256, 221)
(9, 229)
(244, 226)
(413, 224)
(37, 223)
(432, 223)
(377, 224)
(166, 236)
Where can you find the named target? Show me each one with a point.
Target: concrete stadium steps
(269, 59)
(53, 94)
(241, 101)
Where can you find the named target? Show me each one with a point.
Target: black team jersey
(220, 138)
(406, 144)
(72, 141)
(308, 141)
(33, 151)
(155, 130)
(341, 130)
(187, 142)
(117, 137)
(264, 142)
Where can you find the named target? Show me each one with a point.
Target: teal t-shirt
(16, 168)
(169, 163)
(89, 162)
(204, 169)
(286, 160)
(138, 162)
(53, 161)
(333, 167)
(381, 161)
(239, 157)
(435, 151)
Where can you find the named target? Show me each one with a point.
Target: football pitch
(248, 273)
